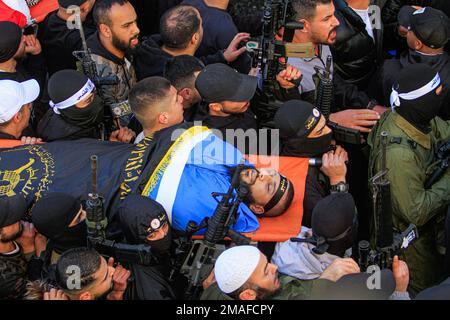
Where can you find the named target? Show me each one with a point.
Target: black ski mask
(415, 96)
(87, 117)
(52, 216)
(139, 217)
(296, 119)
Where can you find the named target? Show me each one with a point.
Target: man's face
(79, 218)
(263, 184)
(85, 8)
(11, 233)
(86, 101)
(26, 114)
(190, 95)
(102, 280)
(324, 24)
(321, 129)
(265, 277)
(231, 107)
(159, 234)
(124, 29)
(175, 107)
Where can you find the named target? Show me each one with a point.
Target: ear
(195, 38)
(185, 93)
(85, 296)
(306, 26)
(17, 117)
(105, 30)
(247, 294)
(163, 118)
(418, 45)
(257, 209)
(215, 107)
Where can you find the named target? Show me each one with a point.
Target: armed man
(415, 134)
(58, 39)
(111, 49)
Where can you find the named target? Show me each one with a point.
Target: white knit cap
(235, 266)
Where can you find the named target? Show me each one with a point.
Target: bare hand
(26, 240)
(40, 243)
(333, 165)
(55, 294)
(358, 119)
(380, 109)
(339, 268)
(209, 281)
(124, 135)
(32, 45)
(401, 274)
(120, 278)
(287, 75)
(30, 140)
(232, 52)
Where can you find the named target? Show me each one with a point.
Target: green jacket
(410, 159)
(291, 289)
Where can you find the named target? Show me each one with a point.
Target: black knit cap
(12, 209)
(431, 26)
(64, 84)
(138, 214)
(67, 3)
(11, 36)
(296, 118)
(404, 16)
(333, 216)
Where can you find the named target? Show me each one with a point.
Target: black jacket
(355, 53)
(391, 68)
(53, 127)
(58, 42)
(150, 60)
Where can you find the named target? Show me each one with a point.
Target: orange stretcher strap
(279, 229)
(7, 143)
(42, 9)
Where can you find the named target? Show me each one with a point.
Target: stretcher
(42, 9)
(282, 228)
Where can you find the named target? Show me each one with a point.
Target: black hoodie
(391, 68)
(150, 60)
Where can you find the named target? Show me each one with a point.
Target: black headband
(282, 188)
(157, 222)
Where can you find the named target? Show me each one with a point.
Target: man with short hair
(156, 104)
(182, 71)
(18, 242)
(181, 33)
(111, 48)
(98, 278)
(58, 40)
(428, 33)
(15, 108)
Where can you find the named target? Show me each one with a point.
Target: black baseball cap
(218, 82)
(12, 209)
(296, 118)
(404, 16)
(431, 26)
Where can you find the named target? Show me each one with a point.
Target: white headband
(430, 86)
(74, 99)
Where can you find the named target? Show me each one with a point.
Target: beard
(12, 237)
(124, 46)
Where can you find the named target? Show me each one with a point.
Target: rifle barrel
(94, 173)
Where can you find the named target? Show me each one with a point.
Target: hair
(145, 96)
(247, 15)
(87, 260)
(306, 9)
(178, 25)
(35, 289)
(102, 8)
(180, 71)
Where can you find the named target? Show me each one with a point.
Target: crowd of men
(390, 72)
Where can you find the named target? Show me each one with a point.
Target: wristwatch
(340, 187)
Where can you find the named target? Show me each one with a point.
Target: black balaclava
(70, 85)
(52, 215)
(334, 224)
(11, 36)
(139, 216)
(414, 95)
(296, 119)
